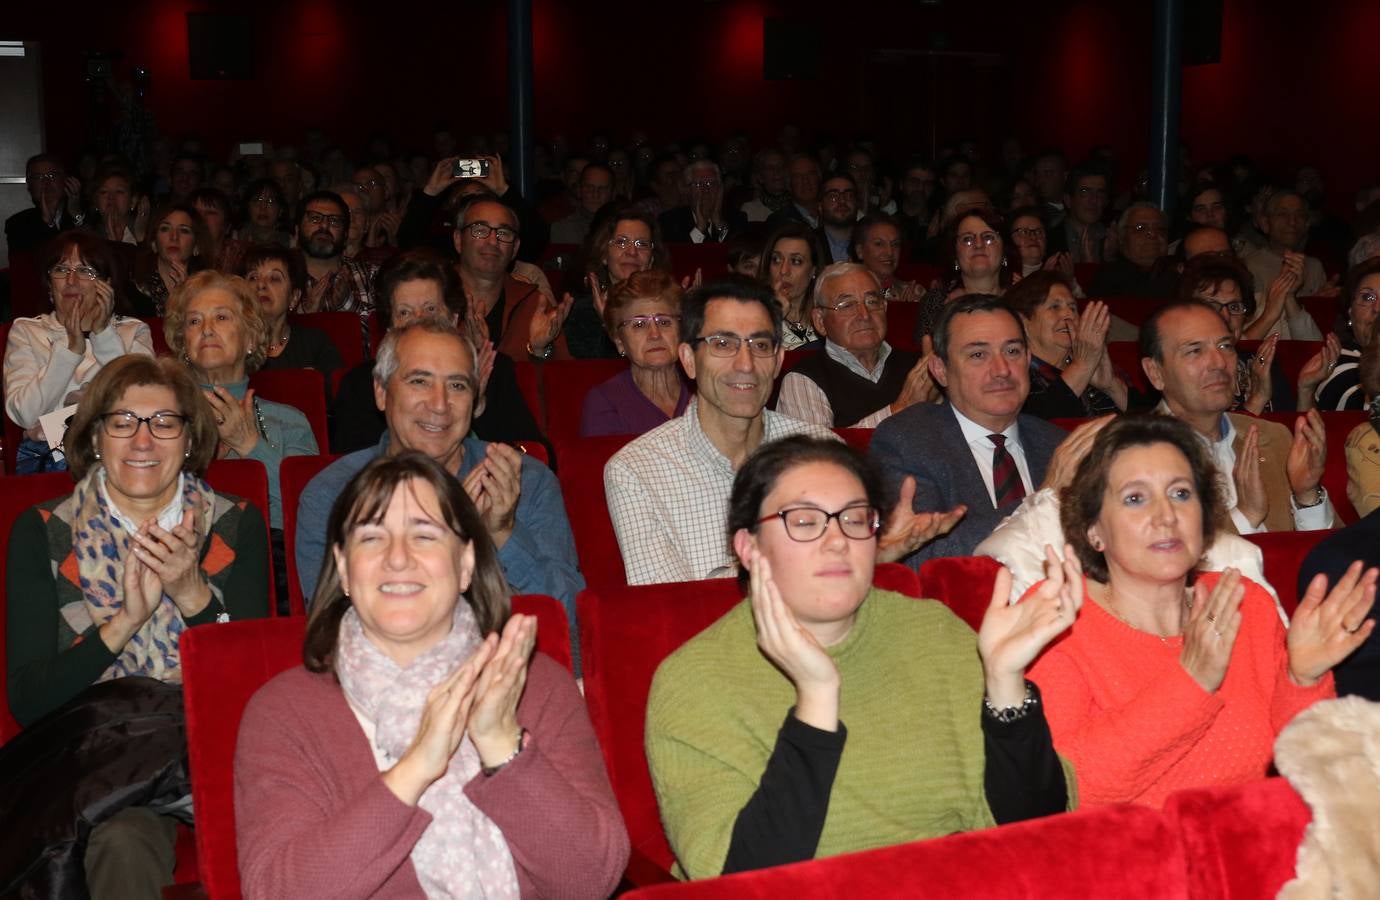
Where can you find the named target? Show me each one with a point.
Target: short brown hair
(366, 499)
(1081, 501)
(1028, 294)
(653, 284)
(251, 316)
(1210, 272)
(111, 383)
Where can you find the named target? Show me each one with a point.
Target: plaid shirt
(668, 494)
(351, 289)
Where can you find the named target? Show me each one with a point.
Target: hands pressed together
(495, 485)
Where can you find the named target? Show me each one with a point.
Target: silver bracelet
(521, 742)
(1008, 714)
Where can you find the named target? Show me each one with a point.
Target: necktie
(1006, 478)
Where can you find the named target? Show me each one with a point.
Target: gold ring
(1262, 459)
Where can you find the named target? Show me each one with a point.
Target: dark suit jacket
(25, 231)
(1359, 673)
(676, 224)
(925, 441)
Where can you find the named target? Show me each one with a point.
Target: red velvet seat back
(528, 376)
(160, 340)
(1289, 355)
(564, 384)
(302, 389)
(294, 473)
(925, 273)
(1111, 853)
(1240, 842)
(1323, 310)
(582, 486)
(1338, 424)
(247, 479)
(1125, 356)
(962, 583)
(900, 325)
(344, 331)
(1283, 553)
(857, 438)
(1133, 309)
(710, 258)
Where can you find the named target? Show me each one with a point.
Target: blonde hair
(251, 317)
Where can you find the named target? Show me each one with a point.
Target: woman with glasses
(1355, 326)
(822, 715)
(176, 239)
(792, 256)
(103, 580)
(876, 244)
(216, 327)
(976, 254)
(265, 214)
(50, 359)
(642, 316)
(621, 241)
(279, 279)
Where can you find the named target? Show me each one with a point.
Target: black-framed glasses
(837, 195)
(639, 324)
(1235, 307)
(804, 524)
(873, 301)
(480, 230)
(316, 218)
(727, 345)
(641, 245)
(268, 199)
(85, 273)
(163, 425)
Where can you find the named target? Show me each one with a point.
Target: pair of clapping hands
(161, 562)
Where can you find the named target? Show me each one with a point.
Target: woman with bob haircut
(622, 240)
(421, 748)
(1173, 678)
(972, 248)
(749, 752)
(642, 316)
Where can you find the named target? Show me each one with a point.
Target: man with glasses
(857, 379)
(57, 205)
(334, 283)
(595, 188)
(1083, 235)
(702, 220)
(838, 214)
(1143, 239)
(1285, 224)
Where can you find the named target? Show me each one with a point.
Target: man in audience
(1271, 481)
(354, 235)
(558, 206)
(1285, 225)
(702, 220)
(57, 205)
(288, 175)
(1205, 239)
(1143, 239)
(667, 186)
(1359, 673)
(917, 188)
(770, 189)
(1084, 236)
(804, 174)
(856, 379)
(426, 383)
(976, 450)
(595, 189)
(186, 174)
(334, 284)
(1050, 172)
(838, 213)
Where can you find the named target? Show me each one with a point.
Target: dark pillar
(1165, 105)
(520, 97)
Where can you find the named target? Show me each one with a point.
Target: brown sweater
(314, 818)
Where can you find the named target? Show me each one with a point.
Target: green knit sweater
(911, 697)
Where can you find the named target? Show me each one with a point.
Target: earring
(956, 265)
(1097, 544)
(98, 454)
(187, 455)
(1003, 262)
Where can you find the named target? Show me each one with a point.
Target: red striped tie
(1006, 478)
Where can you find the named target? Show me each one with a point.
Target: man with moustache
(976, 450)
(334, 284)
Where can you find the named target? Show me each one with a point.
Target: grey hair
(1367, 247)
(838, 270)
(701, 164)
(386, 363)
(1125, 221)
(1279, 195)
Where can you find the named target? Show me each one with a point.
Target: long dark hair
(365, 499)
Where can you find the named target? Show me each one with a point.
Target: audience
(976, 257)
(279, 278)
(792, 255)
(642, 316)
(102, 581)
(1285, 226)
(265, 214)
(334, 283)
(856, 379)
(1142, 239)
(1084, 236)
(876, 243)
(594, 189)
(838, 215)
(1342, 388)
(977, 451)
(56, 198)
(703, 218)
(624, 240)
(770, 189)
(175, 237)
(822, 715)
(422, 748)
(1173, 678)
(221, 251)
(51, 358)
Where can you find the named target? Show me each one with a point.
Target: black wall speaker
(790, 49)
(220, 46)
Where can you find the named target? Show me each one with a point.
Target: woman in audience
(746, 723)
(621, 241)
(877, 244)
(176, 236)
(1174, 678)
(117, 213)
(1355, 325)
(265, 214)
(792, 256)
(102, 581)
(976, 255)
(222, 252)
(642, 316)
(423, 748)
(50, 359)
(279, 278)
(1363, 444)
(1071, 372)
(215, 326)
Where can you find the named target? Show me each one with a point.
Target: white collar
(973, 432)
(168, 519)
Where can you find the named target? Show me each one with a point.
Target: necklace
(1164, 638)
(263, 429)
(282, 341)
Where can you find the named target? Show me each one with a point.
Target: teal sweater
(288, 434)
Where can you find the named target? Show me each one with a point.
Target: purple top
(618, 407)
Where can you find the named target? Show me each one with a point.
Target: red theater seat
(343, 329)
(710, 258)
(1338, 424)
(528, 376)
(962, 583)
(1290, 355)
(294, 473)
(1283, 553)
(1323, 310)
(160, 340)
(248, 479)
(302, 389)
(564, 384)
(1125, 356)
(1133, 309)
(582, 486)
(857, 438)
(900, 325)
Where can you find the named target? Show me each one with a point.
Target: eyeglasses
(727, 345)
(622, 242)
(1366, 297)
(265, 199)
(808, 523)
(316, 218)
(873, 302)
(988, 238)
(1036, 232)
(480, 230)
(164, 426)
(837, 195)
(704, 185)
(1151, 228)
(363, 186)
(642, 323)
(46, 176)
(1235, 307)
(85, 273)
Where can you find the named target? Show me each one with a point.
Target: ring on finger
(1352, 630)
(1212, 620)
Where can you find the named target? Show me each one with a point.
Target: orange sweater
(1137, 727)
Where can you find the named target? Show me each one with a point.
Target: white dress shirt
(982, 448)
